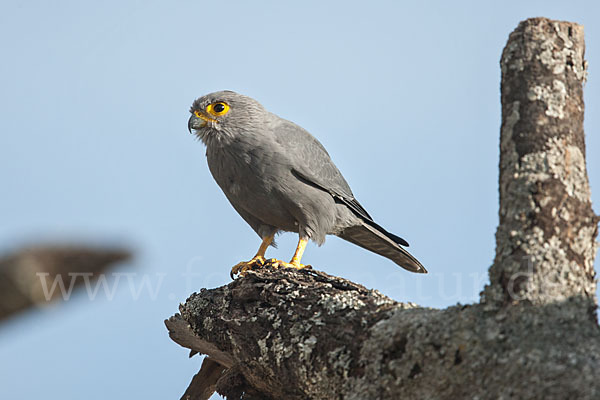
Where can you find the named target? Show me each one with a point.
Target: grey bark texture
(287, 334)
(24, 272)
(545, 243)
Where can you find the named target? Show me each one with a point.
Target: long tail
(376, 239)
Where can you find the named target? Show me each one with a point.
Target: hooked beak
(199, 120)
(194, 123)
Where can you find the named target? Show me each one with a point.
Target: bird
(280, 178)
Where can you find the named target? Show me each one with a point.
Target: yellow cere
(204, 117)
(217, 109)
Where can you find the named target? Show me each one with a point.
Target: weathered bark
(306, 335)
(203, 384)
(545, 243)
(21, 273)
(298, 335)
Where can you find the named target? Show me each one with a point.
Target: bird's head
(224, 115)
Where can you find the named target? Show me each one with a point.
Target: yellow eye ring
(217, 109)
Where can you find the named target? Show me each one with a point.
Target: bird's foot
(276, 264)
(242, 267)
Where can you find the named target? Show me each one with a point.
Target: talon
(298, 266)
(260, 261)
(242, 267)
(282, 264)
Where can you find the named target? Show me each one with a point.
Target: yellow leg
(298, 253)
(257, 260)
(295, 262)
(264, 246)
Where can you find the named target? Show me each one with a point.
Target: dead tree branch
(307, 335)
(545, 243)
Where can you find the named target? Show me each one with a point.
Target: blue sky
(94, 148)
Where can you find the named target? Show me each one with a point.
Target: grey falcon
(279, 177)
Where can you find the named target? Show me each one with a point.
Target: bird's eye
(217, 109)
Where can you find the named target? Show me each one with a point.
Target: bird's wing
(312, 164)
(339, 195)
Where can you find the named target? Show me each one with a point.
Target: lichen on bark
(545, 242)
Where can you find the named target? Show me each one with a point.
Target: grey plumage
(278, 177)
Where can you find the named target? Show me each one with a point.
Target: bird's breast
(240, 171)
(258, 183)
